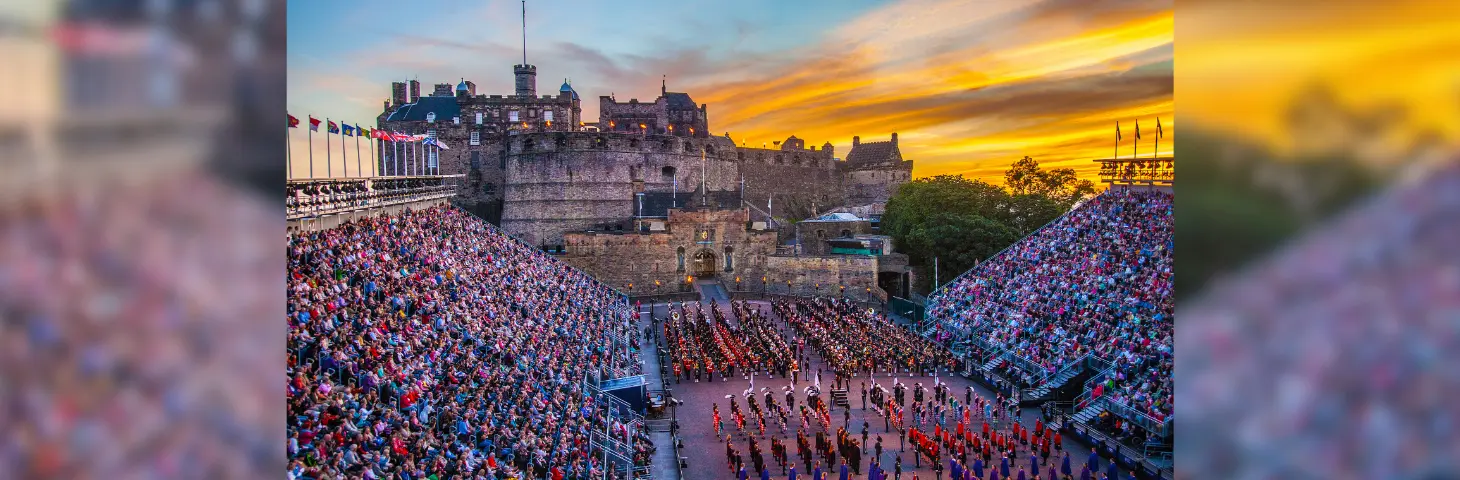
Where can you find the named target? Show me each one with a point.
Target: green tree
(1025, 177)
(959, 240)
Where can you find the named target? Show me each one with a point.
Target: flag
(1117, 129)
(380, 134)
(313, 124)
(438, 144)
(349, 130)
(1138, 129)
(360, 131)
(333, 128)
(293, 121)
(1159, 132)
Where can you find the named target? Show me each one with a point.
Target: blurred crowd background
(141, 254)
(141, 239)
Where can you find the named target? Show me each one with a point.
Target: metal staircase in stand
(1074, 369)
(1088, 414)
(989, 365)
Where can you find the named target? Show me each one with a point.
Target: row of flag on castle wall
(358, 131)
(407, 154)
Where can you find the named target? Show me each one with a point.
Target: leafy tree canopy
(964, 221)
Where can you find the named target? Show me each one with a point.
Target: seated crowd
(429, 345)
(1097, 281)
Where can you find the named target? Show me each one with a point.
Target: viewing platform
(1142, 171)
(324, 202)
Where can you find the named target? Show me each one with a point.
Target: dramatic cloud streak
(970, 86)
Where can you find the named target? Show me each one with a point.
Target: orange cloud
(975, 94)
(1243, 65)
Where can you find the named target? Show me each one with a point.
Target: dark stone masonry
(532, 165)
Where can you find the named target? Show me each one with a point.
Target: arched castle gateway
(621, 196)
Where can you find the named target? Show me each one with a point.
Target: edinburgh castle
(648, 197)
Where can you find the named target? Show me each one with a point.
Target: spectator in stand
(428, 343)
(1097, 281)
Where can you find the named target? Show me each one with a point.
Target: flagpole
(344, 156)
(359, 169)
(328, 164)
(288, 156)
(1158, 138)
(311, 147)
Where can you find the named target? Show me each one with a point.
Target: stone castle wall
(639, 259)
(564, 182)
(825, 275)
(797, 179)
(874, 185)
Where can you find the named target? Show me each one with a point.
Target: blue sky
(970, 86)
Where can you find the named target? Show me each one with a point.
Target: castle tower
(526, 74)
(397, 93)
(526, 80)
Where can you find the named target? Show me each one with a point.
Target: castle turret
(397, 94)
(526, 80)
(856, 141)
(894, 139)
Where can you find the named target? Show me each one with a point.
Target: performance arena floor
(706, 453)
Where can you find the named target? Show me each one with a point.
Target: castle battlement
(717, 148)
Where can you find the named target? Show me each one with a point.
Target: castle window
(532, 113)
(502, 157)
(431, 117)
(681, 259)
(527, 145)
(431, 133)
(476, 161)
(512, 116)
(456, 120)
(846, 233)
(688, 147)
(547, 115)
(667, 173)
(479, 118)
(665, 145)
(476, 138)
(740, 155)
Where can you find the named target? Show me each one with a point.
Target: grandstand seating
(1095, 283)
(429, 343)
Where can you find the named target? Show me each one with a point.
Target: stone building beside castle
(647, 193)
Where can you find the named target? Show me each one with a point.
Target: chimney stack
(856, 141)
(894, 138)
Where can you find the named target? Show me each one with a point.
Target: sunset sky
(1244, 63)
(969, 86)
